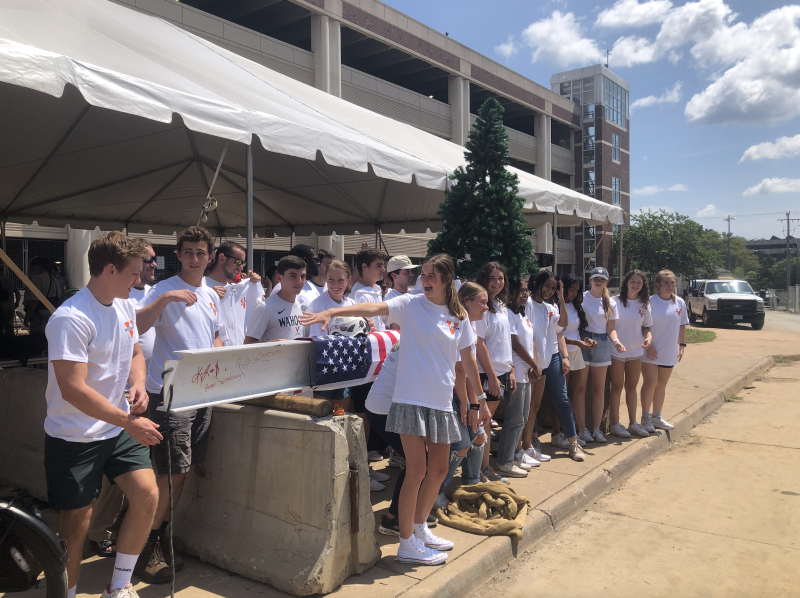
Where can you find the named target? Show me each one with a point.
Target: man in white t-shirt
(278, 317)
(238, 300)
(310, 291)
(91, 430)
(139, 292)
(324, 259)
(400, 276)
(185, 314)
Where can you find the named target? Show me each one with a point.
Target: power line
(737, 216)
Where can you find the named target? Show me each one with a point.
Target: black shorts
(358, 397)
(666, 367)
(188, 435)
(503, 380)
(74, 470)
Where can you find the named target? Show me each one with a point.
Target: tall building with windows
(601, 150)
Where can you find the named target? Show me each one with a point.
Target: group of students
(464, 350)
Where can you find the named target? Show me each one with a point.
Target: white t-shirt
(522, 327)
(180, 327)
(432, 340)
(307, 295)
(237, 306)
(391, 294)
(496, 332)
(595, 314)
(572, 331)
(147, 339)
(275, 318)
(417, 290)
(379, 399)
(668, 317)
(321, 303)
(629, 327)
(544, 317)
(362, 294)
(101, 336)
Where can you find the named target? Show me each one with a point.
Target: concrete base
(272, 500)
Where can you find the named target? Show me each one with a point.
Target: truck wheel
(706, 319)
(758, 325)
(692, 317)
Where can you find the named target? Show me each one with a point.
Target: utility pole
(789, 221)
(728, 220)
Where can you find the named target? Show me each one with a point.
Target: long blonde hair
(443, 264)
(606, 298)
(662, 274)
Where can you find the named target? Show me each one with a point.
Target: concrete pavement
(714, 516)
(557, 489)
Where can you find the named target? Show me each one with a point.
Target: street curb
(485, 559)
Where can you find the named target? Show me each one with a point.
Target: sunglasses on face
(236, 260)
(151, 260)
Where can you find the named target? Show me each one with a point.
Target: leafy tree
(658, 240)
(716, 246)
(482, 212)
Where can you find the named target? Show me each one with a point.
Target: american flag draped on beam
(343, 361)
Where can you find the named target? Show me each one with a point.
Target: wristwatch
(474, 406)
(681, 344)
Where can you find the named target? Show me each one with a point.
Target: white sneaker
(395, 460)
(375, 485)
(637, 430)
(511, 470)
(526, 459)
(598, 435)
(495, 425)
(660, 423)
(126, 592)
(647, 424)
(559, 440)
(521, 465)
(379, 476)
(425, 536)
(619, 431)
(586, 436)
(535, 454)
(374, 456)
(419, 554)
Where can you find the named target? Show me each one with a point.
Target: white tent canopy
(135, 137)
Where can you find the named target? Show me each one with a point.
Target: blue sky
(718, 84)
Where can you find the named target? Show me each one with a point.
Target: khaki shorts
(575, 358)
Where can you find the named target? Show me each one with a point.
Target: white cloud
(507, 48)
(655, 189)
(783, 147)
(774, 186)
(672, 95)
(707, 212)
(630, 13)
(559, 40)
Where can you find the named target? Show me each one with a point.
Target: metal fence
(22, 251)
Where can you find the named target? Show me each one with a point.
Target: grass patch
(733, 398)
(693, 335)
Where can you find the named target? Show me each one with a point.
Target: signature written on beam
(231, 378)
(243, 362)
(210, 371)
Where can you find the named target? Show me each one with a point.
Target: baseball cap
(399, 262)
(599, 273)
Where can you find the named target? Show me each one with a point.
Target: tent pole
(250, 263)
(621, 258)
(3, 235)
(555, 242)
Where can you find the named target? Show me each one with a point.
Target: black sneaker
(151, 567)
(164, 541)
(389, 527)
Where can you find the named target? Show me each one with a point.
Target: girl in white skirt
(435, 333)
(669, 340)
(633, 328)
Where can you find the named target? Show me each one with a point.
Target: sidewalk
(556, 489)
(714, 516)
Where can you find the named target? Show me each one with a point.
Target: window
(615, 147)
(588, 143)
(588, 182)
(616, 197)
(564, 232)
(616, 99)
(560, 178)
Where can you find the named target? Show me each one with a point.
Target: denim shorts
(600, 354)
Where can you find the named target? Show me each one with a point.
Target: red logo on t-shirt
(453, 326)
(244, 303)
(549, 316)
(129, 327)
(213, 307)
(641, 313)
(528, 322)
(678, 310)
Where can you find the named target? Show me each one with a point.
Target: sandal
(106, 548)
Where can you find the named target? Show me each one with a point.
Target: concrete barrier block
(272, 500)
(22, 412)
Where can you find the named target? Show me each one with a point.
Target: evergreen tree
(482, 213)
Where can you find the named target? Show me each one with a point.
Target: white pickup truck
(726, 301)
